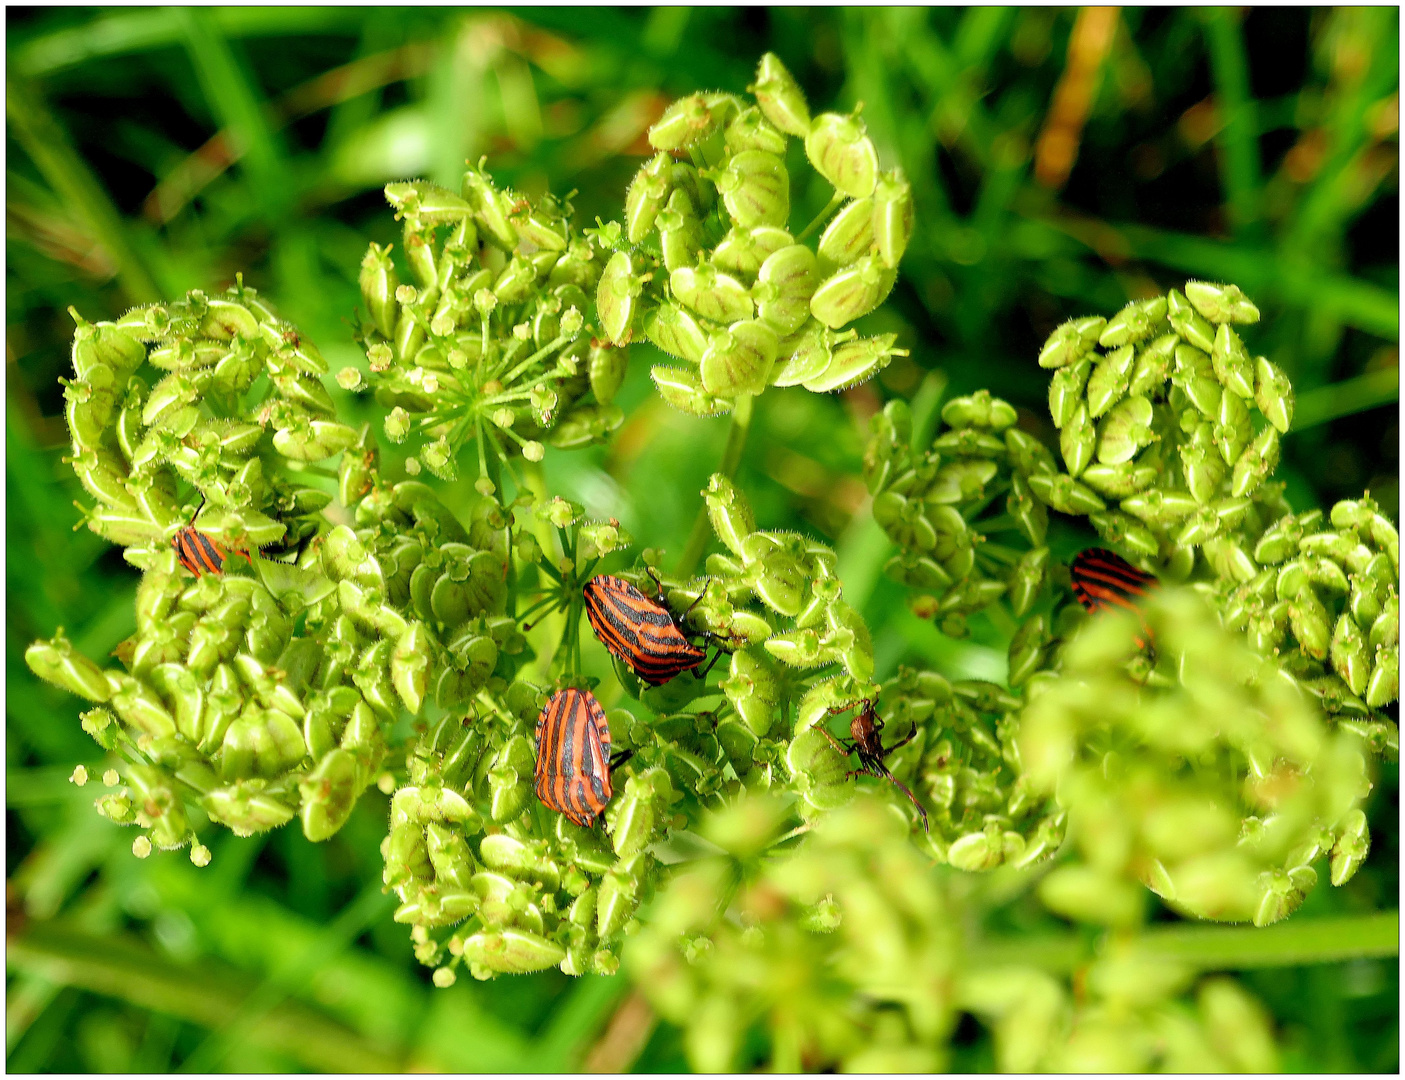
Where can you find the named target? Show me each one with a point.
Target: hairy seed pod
(711, 294)
(1255, 464)
(853, 362)
(1189, 323)
(617, 296)
(1233, 367)
(648, 192)
(841, 151)
(1221, 303)
(682, 388)
(755, 188)
(738, 360)
(894, 216)
(784, 285)
(1125, 431)
(1133, 323)
(1071, 341)
(1077, 441)
(1108, 382)
(851, 292)
(1066, 391)
(1274, 395)
(849, 236)
(780, 97)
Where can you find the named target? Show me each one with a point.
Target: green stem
(1218, 948)
(821, 217)
(731, 457)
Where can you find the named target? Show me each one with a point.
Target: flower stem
(1219, 948)
(731, 457)
(821, 217)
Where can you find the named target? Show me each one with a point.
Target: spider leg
(845, 750)
(922, 810)
(903, 741)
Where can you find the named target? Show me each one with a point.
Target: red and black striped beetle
(572, 773)
(1103, 579)
(641, 631)
(865, 730)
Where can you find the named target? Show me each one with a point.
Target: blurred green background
(1063, 160)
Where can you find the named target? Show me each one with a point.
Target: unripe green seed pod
(676, 332)
(849, 236)
(1121, 480)
(851, 292)
(1077, 440)
(807, 354)
(1066, 391)
(680, 231)
(608, 367)
(316, 440)
(1160, 509)
(729, 512)
(1153, 364)
(1070, 341)
(1351, 659)
(687, 122)
(616, 297)
(1233, 367)
(329, 795)
(1233, 429)
(1189, 323)
(738, 360)
(1274, 395)
(1122, 531)
(1204, 468)
(1256, 463)
(785, 284)
(1029, 513)
(750, 130)
(711, 294)
(57, 663)
(894, 216)
(682, 388)
(378, 284)
(1384, 685)
(742, 251)
(1310, 623)
(1221, 303)
(1026, 580)
(841, 151)
(1126, 430)
(755, 189)
(409, 666)
(1108, 382)
(1133, 323)
(854, 362)
(752, 687)
(511, 951)
(780, 97)
(647, 194)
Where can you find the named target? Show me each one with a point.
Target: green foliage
(382, 628)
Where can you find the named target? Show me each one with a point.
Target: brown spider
(866, 740)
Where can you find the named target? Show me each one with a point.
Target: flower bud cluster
(1320, 594)
(204, 422)
(1212, 780)
(489, 345)
(1127, 1015)
(1179, 425)
(846, 947)
(705, 267)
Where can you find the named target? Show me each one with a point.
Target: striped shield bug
(866, 740)
(1102, 579)
(573, 756)
(640, 630)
